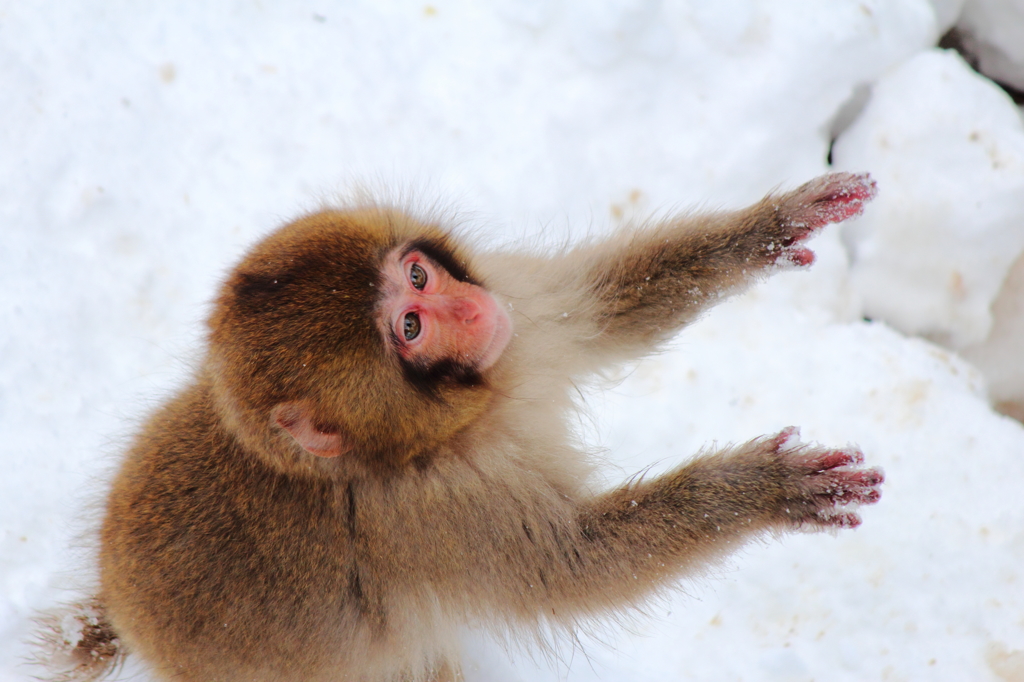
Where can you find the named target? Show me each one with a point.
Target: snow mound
(999, 357)
(995, 32)
(947, 147)
(947, 12)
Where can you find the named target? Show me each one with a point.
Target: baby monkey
(374, 452)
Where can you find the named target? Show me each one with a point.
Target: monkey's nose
(466, 310)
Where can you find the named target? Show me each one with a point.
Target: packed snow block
(947, 12)
(1000, 357)
(946, 146)
(656, 104)
(994, 31)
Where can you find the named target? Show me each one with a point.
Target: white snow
(144, 145)
(995, 28)
(999, 356)
(933, 133)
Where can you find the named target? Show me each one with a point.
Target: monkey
(374, 451)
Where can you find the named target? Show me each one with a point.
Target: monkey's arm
(655, 530)
(529, 555)
(649, 281)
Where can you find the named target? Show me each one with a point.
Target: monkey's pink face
(431, 317)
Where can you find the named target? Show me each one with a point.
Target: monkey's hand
(822, 201)
(818, 487)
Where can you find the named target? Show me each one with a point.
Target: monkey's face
(434, 320)
(359, 335)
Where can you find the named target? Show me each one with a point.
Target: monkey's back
(215, 566)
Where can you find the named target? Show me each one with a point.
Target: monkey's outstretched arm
(654, 530)
(650, 281)
(531, 556)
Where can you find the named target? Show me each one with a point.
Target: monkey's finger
(868, 478)
(798, 257)
(843, 519)
(830, 199)
(819, 460)
(833, 459)
(859, 486)
(787, 437)
(844, 496)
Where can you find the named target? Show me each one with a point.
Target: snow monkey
(374, 452)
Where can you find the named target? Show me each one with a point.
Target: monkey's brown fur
(229, 553)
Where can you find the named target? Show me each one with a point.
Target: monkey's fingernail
(867, 478)
(874, 477)
(861, 187)
(871, 496)
(800, 257)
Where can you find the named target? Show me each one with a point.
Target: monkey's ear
(314, 438)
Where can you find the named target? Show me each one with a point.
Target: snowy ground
(144, 145)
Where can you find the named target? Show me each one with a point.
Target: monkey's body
(352, 576)
(256, 533)
(183, 532)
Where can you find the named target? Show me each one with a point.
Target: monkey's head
(359, 334)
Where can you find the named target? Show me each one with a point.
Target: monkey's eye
(418, 277)
(411, 324)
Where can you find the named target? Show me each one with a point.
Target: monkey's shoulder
(188, 484)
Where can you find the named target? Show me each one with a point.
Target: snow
(143, 146)
(995, 28)
(933, 133)
(999, 356)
